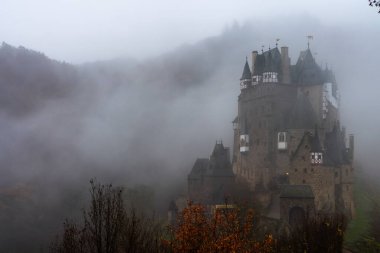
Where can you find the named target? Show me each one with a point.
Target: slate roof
(219, 164)
(310, 139)
(305, 138)
(199, 168)
(306, 71)
(296, 191)
(246, 72)
(268, 61)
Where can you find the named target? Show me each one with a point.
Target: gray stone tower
(287, 131)
(288, 144)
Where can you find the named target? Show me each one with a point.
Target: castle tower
(281, 108)
(246, 77)
(288, 143)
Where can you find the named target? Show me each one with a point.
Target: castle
(288, 145)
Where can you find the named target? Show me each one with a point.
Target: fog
(144, 120)
(89, 30)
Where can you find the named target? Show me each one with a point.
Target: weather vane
(277, 40)
(309, 38)
(262, 48)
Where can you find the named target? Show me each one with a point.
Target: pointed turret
(220, 161)
(247, 75)
(307, 71)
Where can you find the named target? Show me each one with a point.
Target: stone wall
(261, 111)
(286, 204)
(320, 178)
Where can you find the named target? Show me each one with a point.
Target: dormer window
(256, 79)
(316, 158)
(270, 77)
(282, 144)
(244, 143)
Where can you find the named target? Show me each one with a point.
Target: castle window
(281, 137)
(347, 187)
(316, 158)
(312, 169)
(244, 83)
(346, 172)
(270, 77)
(244, 143)
(336, 174)
(304, 181)
(282, 144)
(295, 169)
(255, 79)
(305, 170)
(235, 125)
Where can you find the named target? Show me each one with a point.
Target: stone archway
(297, 216)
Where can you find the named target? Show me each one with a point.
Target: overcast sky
(86, 30)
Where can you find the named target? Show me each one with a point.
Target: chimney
(254, 56)
(285, 62)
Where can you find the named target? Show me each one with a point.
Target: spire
(246, 72)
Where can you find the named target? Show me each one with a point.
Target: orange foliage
(224, 231)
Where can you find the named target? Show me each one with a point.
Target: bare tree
(105, 219)
(374, 3)
(109, 228)
(73, 240)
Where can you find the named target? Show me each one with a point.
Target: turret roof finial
(309, 38)
(277, 40)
